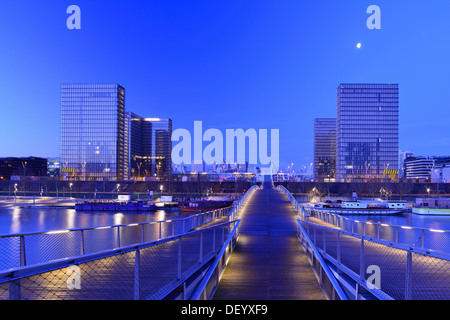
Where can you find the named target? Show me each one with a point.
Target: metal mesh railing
(391, 262)
(27, 249)
(145, 271)
(426, 238)
(404, 272)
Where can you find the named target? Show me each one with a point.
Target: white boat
(432, 206)
(362, 207)
(431, 211)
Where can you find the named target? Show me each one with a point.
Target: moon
(358, 45)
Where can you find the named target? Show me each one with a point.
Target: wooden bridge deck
(268, 262)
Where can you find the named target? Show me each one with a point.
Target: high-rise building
(161, 146)
(149, 147)
(92, 132)
(325, 150)
(366, 131)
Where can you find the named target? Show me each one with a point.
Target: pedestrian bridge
(265, 247)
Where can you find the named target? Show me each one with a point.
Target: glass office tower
(92, 132)
(325, 150)
(367, 131)
(158, 146)
(149, 147)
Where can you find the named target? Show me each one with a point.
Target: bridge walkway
(268, 262)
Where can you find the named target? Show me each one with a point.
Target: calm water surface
(25, 220)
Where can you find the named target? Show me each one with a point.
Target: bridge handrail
(9, 235)
(333, 253)
(237, 208)
(302, 235)
(426, 252)
(354, 225)
(14, 252)
(11, 286)
(298, 207)
(204, 290)
(376, 223)
(379, 230)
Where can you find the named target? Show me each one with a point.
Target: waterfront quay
(203, 186)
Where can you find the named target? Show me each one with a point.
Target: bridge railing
(425, 238)
(24, 249)
(167, 268)
(356, 251)
(238, 207)
(326, 278)
(393, 270)
(298, 208)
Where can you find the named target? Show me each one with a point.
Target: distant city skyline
(230, 64)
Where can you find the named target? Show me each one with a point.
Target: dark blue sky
(232, 64)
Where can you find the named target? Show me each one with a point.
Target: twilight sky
(231, 64)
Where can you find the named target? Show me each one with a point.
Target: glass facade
(325, 150)
(92, 132)
(149, 147)
(367, 131)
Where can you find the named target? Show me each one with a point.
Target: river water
(27, 220)
(14, 219)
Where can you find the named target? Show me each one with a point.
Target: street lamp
(24, 164)
(70, 185)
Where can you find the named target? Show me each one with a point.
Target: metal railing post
(118, 237)
(179, 260)
(314, 236)
(361, 261)
(423, 238)
(82, 242)
(338, 253)
(23, 257)
(408, 276)
(137, 272)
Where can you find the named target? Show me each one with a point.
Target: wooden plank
(268, 262)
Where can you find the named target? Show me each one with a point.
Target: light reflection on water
(27, 220)
(407, 219)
